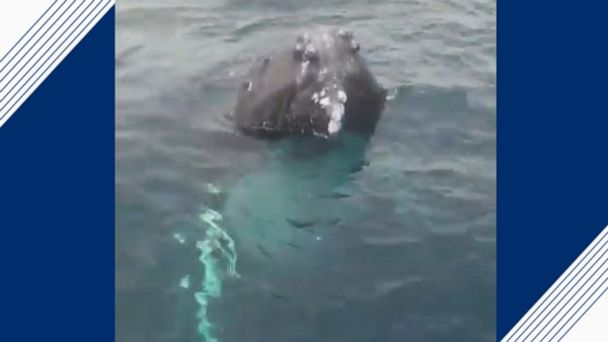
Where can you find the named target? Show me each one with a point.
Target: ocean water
(393, 239)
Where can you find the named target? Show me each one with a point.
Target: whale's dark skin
(319, 85)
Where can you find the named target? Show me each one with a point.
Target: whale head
(320, 85)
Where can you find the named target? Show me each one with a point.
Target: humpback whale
(319, 85)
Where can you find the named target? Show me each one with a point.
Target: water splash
(218, 257)
(392, 94)
(180, 238)
(212, 189)
(185, 282)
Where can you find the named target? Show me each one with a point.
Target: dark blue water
(389, 240)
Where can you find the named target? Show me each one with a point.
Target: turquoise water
(393, 239)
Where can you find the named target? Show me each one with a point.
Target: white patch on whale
(342, 96)
(309, 50)
(334, 109)
(335, 121)
(303, 70)
(325, 102)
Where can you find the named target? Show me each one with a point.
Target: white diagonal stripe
(569, 298)
(51, 37)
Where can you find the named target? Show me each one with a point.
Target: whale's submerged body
(285, 217)
(320, 86)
